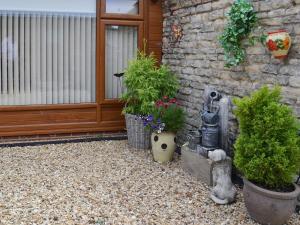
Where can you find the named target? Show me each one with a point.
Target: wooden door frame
(102, 115)
(104, 19)
(105, 15)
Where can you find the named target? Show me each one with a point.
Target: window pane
(122, 6)
(121, 47)
(47, 57)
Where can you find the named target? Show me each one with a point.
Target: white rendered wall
(84, 6)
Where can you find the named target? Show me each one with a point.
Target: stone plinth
(200, 167)
(204, 150)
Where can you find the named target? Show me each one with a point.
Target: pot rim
(273, 194)
(137, 117)
(164, 132)
(130, 114)
(278, 31)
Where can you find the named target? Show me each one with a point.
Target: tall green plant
(267, 150)
(146, 83)
(242, 20)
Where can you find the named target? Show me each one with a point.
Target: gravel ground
(104, 183)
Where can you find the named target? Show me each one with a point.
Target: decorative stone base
(204, 150)
(200, 167)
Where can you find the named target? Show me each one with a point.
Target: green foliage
(242, 20)
(172, 117)
(166, 115)
(146, 83)
(267, 150)
(298, 125)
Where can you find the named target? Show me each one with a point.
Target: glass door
(121, 44)
(121, 31)
(121, 40)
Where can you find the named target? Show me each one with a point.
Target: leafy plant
(166, 115)
(267, 150)
(298, 125)
(146, 83)
(242, 20)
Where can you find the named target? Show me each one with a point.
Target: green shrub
(146, 83)
(267, 150)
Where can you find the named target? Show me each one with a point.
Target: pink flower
(159, 103)
(173, 100)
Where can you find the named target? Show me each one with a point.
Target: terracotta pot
(163, 146)
(279, 43)
(269, 207)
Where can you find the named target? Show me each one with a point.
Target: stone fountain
(210, 124)
(207, 160)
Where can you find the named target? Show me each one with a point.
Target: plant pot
(163, 146)
(279, 43)
(138, 135)
(194, 139)
(269, 207)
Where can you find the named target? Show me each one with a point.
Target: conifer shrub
(267, 149)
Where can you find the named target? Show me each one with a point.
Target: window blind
(121, 47)
(47, 58)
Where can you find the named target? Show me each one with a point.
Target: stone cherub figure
(223, 191)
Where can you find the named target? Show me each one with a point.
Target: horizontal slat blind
(47, 58)
(121, 43)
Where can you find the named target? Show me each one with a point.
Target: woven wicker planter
(138, 136)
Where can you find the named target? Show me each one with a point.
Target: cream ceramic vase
(163, 146)
(279, 43)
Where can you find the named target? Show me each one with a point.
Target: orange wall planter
(279, 43)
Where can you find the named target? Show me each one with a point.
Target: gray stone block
(198, 166)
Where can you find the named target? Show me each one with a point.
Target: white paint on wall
(82, 6)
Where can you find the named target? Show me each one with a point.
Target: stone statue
(217, 155)
(223, 191)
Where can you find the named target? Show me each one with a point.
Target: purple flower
(154, 127)
(150, 118)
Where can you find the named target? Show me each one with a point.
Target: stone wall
(199, 61)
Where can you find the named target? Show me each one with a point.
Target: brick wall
(199, 61)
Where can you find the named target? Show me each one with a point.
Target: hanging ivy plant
(242, 20)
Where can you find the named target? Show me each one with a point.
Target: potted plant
(242, 20)
(165, 120)
(279, 43)
(145, 83)
(267, 152)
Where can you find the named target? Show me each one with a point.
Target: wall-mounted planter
(176, 33)
(279, 43)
